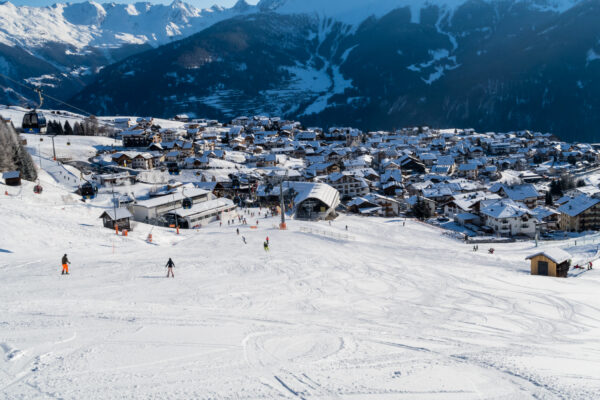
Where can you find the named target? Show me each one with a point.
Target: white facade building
(508, 218)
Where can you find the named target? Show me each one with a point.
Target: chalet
(388, 165)
(143, 161)
(174, 156)
(215, 188)
(185, 147)
(410, 163)
(412, 201)
(169, 135)
(444, 165)
(467, 203)
(135, 138)
(268, 160)
(243, 121)
(580, 214)
(508, 218)
(216, 154)
(277, 175)
(548, 217)
(306, 136)
(196, 162)
(122, 158)
(322, 169)
(497, 148)
(468, 171)
(391, 182)
(348, 184)
(119, 178)
(429, 159)
(119, 217)
(123, 123)
(238, 146)
(526, 193)
(144, 122)
(438, 193)
(375, 204)
(363, 206)
(182, 118)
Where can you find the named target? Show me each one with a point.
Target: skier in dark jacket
(266, 246)
(170, 265)
(65, 265)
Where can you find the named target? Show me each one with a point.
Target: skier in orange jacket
(65, 265)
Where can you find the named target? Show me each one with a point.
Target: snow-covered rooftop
(556, 254)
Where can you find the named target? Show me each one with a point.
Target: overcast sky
(196, 3)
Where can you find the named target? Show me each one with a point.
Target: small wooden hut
(550, 262)
(12, 178)
(122, 219)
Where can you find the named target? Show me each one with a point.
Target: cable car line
(39, 91)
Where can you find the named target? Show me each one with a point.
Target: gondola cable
(39, 91)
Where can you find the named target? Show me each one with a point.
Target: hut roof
(194, 193)
(11, 174)
(555, 254)
(120, 214)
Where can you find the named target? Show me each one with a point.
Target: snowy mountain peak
(241, 5)
(355, 11)
(86, 13)
(107, 25)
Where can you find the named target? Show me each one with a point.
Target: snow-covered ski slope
(399, 312)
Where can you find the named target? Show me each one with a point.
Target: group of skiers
(589, 266)
(490, 250)
(170, 264)
(65, 266)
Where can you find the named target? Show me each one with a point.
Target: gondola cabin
(550, 262)
(88, 191)
(187, 203)
(120, 217)
(34, 122)
(173, 169)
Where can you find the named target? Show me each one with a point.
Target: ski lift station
(550, 262)
(200, 214)
(146, 210)
(188, 208)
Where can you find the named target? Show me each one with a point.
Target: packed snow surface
(390, 309)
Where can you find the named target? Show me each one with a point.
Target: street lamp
(175, 212)
(53, 148)
(116, 225)
(282, 225)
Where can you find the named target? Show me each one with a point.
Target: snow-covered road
(398, 312)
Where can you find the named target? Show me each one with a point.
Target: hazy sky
(196, 3)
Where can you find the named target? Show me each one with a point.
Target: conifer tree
(68, 129)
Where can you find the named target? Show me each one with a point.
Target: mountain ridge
(506, 64)
(497, 66)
